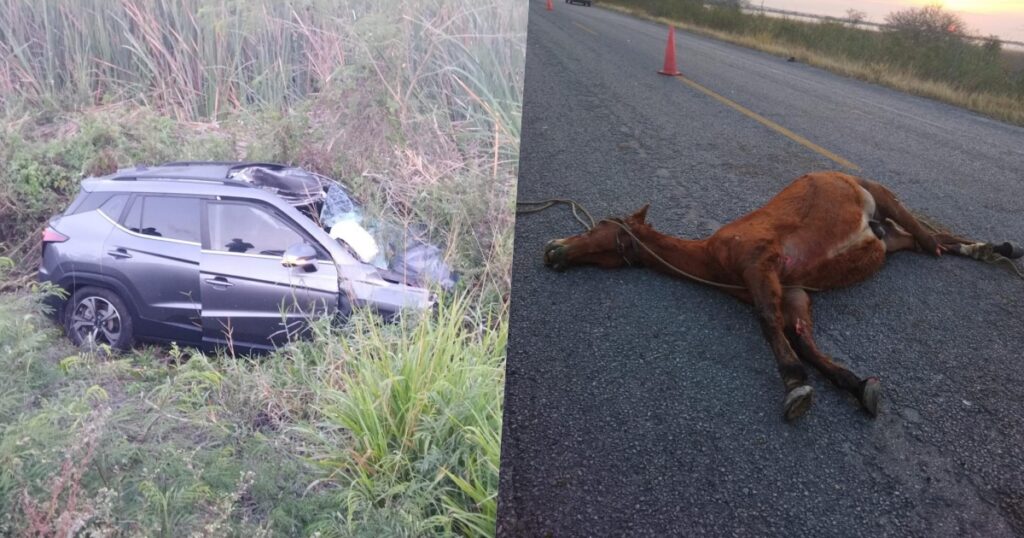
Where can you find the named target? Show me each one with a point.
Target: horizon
(1003, 18)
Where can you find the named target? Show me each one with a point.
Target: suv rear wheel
(97, 316)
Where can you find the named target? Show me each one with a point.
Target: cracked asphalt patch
(645, 406)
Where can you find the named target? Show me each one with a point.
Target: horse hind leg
(977, 249)
(894, 237)
(887, 206)
(799, 330)
(897, 239)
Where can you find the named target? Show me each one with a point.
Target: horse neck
(690, 256)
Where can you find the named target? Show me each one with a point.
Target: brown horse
(825, 230)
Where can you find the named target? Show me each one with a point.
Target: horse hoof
(1009, 250)
(870, 393)
(554, 255)
(797, 402)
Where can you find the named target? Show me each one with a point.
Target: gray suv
(206, 254)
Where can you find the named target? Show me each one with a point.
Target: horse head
(609, 244)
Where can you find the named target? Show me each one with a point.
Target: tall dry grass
(198, 59)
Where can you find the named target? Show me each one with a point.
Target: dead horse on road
(825, 230)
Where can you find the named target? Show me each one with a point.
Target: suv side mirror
(300, 255)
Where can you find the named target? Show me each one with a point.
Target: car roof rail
(179, 177)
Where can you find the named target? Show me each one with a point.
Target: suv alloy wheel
(96, 316)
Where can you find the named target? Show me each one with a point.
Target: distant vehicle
(584, 2)
(209, 254)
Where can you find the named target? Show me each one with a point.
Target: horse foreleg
(766, 292)
(796, 307)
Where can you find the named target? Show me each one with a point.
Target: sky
(1004, 18)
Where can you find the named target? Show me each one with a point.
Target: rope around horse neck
(545, 204)
(675, 269)
(541, 205)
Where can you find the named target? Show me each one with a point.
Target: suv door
(154, 252)
(249, 298)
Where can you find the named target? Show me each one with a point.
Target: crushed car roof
(295, 185)
(197, 170)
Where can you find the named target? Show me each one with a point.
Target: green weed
(367, 429)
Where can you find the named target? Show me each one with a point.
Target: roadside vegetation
(922, 52)
(369, 429)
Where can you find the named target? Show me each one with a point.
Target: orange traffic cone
(670, 55)
(550, 7)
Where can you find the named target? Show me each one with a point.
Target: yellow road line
(770, 124)
(584, 27)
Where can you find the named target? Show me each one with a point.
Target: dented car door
(251, 298)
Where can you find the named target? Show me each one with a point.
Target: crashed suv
(221, 254)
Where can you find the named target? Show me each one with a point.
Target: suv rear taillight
(53, 236)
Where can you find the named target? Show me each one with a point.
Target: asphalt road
(639, 405)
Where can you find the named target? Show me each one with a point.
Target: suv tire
(116, 327)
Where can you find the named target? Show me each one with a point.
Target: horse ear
(641, 215)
